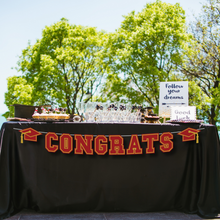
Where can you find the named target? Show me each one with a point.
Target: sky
(23, 21)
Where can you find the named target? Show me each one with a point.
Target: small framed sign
(183, 113)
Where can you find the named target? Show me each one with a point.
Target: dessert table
(67, 167)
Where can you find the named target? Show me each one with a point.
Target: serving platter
(48, 120)
(17, 119)
(185, 121)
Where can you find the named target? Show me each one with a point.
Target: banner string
(123, 135)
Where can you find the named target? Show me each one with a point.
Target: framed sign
(172, 94)
(183, 113)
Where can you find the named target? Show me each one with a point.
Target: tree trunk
(212, 116)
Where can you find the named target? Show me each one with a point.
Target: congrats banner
(108, 144)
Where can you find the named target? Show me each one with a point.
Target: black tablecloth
(186, 179)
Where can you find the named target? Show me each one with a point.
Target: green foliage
(199, 99)
(19, 91)
(64, 64)
(145, 51)
(202, 60)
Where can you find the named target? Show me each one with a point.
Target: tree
(64, 64)
(144, 51)
(202, 60)
(19, 91)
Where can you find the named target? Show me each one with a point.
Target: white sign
(183, 113)
(172, 94)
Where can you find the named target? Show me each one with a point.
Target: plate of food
(152, 118)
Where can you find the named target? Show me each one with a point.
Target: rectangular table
(67, 167)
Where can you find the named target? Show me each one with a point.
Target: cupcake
(51, 115)
(57, 114)
(36, 115)
(44, 114)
